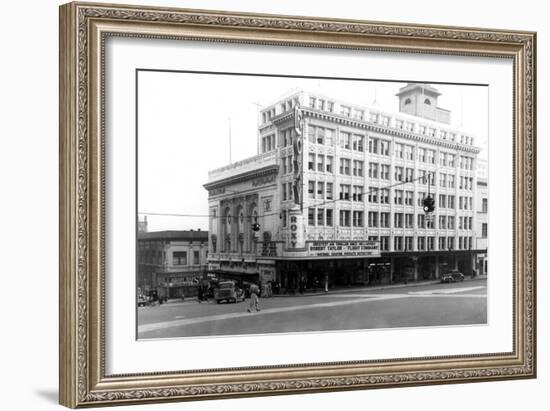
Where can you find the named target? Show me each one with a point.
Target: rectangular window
(345, 111)
(358, 168)
(345, 166)
(311, 189)
(344, 218)
(358, 114)
(442, 202)
(451, 160)
(398, 243)
(443, 159)
(484, 205)
(385, 220)
(283, 189)
(409, 152)
(398, 220)
(385, 171)
(431, 243)
(409, 175)
(320, 189)
(320, 135)
(373, 219)
(311, 162)
(345, 140)
(329, 217)
(373, 145)
(285, 218)
(421, 154)
(421, 221)
(409, 198)
(358, 218)
(311, 216)
(384, 243)
(329, 164)
(398, 197)
(357, 193)
(442, 241)
(451, 181)
(442, 222)
(345, 191)
(321, 163)
(398, 150)
(384, 196)
(196, 258)
(409, 220)
(329, 195)
(421, 243)
(451, 222)
(373, 170)
(430, 156)
(398, 174)
(451, 243)
(384, 147)
(408, 243)
(358, 142)
(284, 163)
(373, 195)
(320, 216)
(179, 258)
(451, 201)
(442, 180)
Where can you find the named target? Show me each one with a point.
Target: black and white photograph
(282, 204)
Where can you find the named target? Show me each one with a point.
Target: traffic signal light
(428, 204)
(255, 227)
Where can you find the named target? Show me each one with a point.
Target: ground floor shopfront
(294, 276)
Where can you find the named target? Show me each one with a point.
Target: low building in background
(171, 263)
(335, 196)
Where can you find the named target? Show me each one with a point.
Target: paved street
(355, 308)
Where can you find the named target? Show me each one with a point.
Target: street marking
(445, 291)
(359, 298)
(178, 323)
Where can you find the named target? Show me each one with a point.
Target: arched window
(240, 229)
(227, 229)
(408, 101)
(428, 102)
(253, 213)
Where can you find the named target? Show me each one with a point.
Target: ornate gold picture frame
(84, 30)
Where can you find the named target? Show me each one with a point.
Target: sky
(185, 120)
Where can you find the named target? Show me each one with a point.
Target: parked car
(452, 277)
(142, 301)
(227, 291)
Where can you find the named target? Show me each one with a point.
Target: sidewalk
(352, 289)
(338, 290)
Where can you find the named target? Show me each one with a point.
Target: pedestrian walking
(254, 299)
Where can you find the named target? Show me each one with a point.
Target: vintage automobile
(452, 277)
(227, 291)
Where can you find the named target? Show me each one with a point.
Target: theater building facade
(337, 191)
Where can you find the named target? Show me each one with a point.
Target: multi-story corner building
(171, 262)
(337, 190)
(482, 221)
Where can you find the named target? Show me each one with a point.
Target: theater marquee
(344, 249)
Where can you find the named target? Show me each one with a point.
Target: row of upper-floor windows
(181, 258)
(324, 190)
(323, 217)
(386, 121)
(356, 142)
